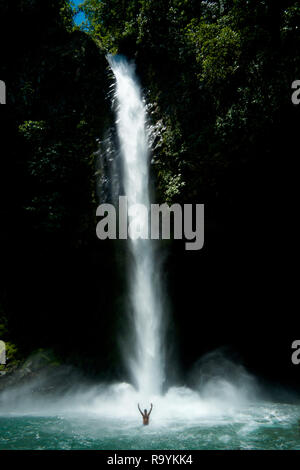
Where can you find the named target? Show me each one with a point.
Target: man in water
(145, 415)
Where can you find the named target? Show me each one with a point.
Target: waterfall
(146, 362)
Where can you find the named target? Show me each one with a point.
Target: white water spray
(146, 364)
(222, 391)
(223, 410)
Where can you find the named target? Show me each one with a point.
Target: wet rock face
(40, 375)
(34, 365)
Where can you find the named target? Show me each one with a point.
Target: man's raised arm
(150, 409)
(140, 409)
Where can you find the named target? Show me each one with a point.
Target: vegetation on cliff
(217, 76)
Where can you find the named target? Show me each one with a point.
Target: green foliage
(218, 76)
(172, 185)
(217, 49)
(57, 86)
(12, 356)
(111, 21)
(3, 328)
(32, 129)
(217, 72)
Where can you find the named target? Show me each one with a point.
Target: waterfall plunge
(146, 364)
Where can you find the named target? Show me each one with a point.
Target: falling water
(225, 409)
(146, 364)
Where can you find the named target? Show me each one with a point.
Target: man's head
(145, 411)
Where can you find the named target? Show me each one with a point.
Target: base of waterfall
(220, 416)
